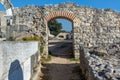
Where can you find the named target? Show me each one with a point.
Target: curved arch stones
(59, 14)
(67, 15)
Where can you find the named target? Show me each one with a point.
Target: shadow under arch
(15, 71)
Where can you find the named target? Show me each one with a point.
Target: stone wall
(17, 59)
(98, 66)
(95, 28)
(3, 24)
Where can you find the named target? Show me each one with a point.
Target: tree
(55, 27)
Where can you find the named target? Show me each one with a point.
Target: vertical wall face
(92, 27)
(76, 39)
(2, 24)
(15, 59)
(99, 27)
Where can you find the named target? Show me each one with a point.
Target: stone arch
(8, 6)
(67, 15)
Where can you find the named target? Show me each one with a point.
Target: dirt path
(60, 67)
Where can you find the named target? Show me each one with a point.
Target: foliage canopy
(54, 27)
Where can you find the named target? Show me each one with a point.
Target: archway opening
(60, 37)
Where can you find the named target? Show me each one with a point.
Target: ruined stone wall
(100, 27)
(17, 59)
(97, 28)
(29, 16)
(99, 66)
(3, 24)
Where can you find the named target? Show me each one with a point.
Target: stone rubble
(103, 66)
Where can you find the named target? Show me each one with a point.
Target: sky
(66, 24)
(113, 4)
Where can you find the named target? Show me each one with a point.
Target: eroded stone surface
(101, 65)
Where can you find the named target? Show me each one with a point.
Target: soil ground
(60, 67)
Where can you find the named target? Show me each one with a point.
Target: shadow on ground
(62, 49)
(71, 72)
(60, 67)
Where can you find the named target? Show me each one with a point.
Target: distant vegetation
(55, 27)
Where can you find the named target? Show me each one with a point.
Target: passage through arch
(66, 15)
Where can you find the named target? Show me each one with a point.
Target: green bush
(35, 38)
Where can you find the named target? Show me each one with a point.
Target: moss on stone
(35, 38)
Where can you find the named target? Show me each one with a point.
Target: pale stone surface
(27, 69)
(20, 51)
(99, 66)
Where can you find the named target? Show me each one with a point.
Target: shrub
(35, 38)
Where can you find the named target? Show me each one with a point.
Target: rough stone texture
(93, 27)
(17, 55)
(99, 66)
(3, 24)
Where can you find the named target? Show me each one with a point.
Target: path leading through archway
(62, 65)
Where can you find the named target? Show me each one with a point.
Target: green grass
(72, 58)
(44, 59)
(30, 38)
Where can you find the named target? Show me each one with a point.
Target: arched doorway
(67, 15)
(60, 38)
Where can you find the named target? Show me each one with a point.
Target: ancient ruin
(96, 34)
